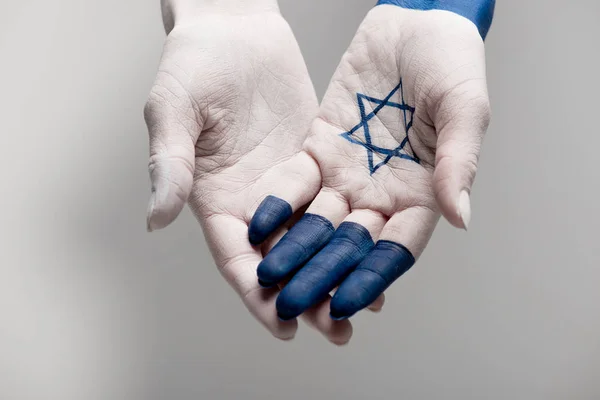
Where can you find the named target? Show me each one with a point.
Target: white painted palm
(227, 116)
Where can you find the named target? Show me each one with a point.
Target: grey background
(93, 307)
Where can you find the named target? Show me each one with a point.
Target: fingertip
(340, 343)
(265, 273)
(272, 269)
(452, 181)
(149, 224)
(449, 207)
(269, 216)
(310, 234)
(160, 216)
(357, 292)
(386, 263)
(344, 305)
(340, 332)
(290, 304)
(286, 330)
(261, 304)
(350, 243)
(172, 181)
(377, 306)
(464, 209)
(286, 339)
(457, 209)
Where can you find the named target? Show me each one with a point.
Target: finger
(302, 182)
(275, 237)
(377, 305)
(402, 240)
(174, 125)
(350, 243)
(237, 261)
(317, 317)
(304, 239)
(462, 120)
(268, 244)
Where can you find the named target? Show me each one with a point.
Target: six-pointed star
(399, 151)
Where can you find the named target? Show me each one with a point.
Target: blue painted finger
(270, 215)
(387, 262)
(302, 242)
(480, 12)
(350, 243)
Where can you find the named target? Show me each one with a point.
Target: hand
(227, 116)
(397, 141)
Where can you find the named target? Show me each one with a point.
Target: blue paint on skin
(350, 243)
(480, 12)
(264, 284)
(367, 143)
(302, 242)
(387, 262)
(270, 215)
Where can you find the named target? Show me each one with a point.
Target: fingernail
(151, 206)
(464, 208)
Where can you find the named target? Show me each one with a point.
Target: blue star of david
(400, 151)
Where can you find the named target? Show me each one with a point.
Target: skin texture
(439, 58)
(227, 116)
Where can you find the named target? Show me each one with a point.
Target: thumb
(461, 121)
(174, 128)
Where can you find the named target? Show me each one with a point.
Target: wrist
(480, 12)
(177, 10)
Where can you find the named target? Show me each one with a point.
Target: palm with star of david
(363, 125)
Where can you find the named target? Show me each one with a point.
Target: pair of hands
(354, 187)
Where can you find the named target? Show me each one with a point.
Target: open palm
(396, 141)
(228, 114)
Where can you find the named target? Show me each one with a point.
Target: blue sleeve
(480, 12)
